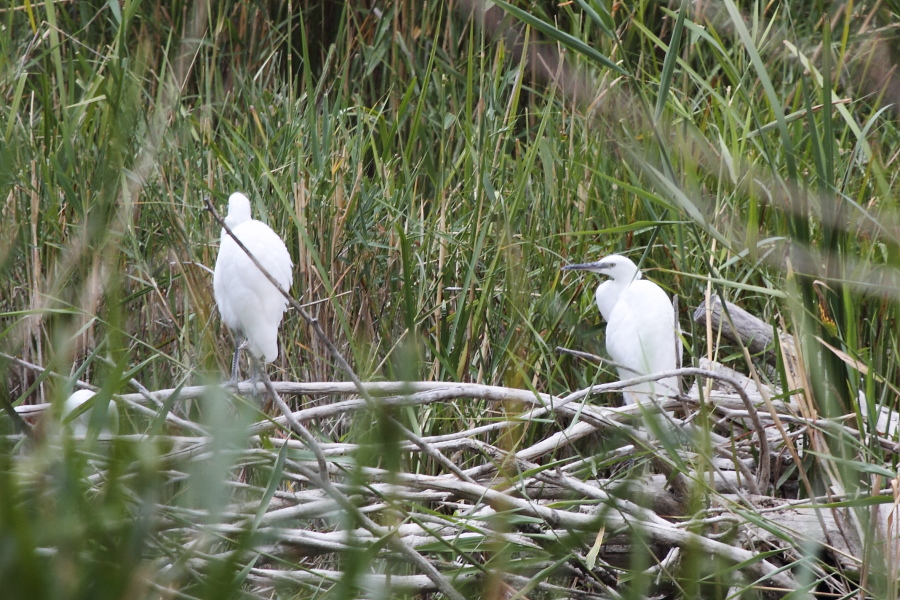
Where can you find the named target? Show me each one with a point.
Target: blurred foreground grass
(429, 175)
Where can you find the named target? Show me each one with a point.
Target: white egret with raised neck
(248, 302)
(641, 327)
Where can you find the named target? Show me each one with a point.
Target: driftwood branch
(738, 326)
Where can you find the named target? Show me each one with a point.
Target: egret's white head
(615, 266)
(238, 210)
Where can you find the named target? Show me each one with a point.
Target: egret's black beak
(594, 266)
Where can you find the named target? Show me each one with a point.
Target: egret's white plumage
(641, 330)
(248, 302)
(79, 425)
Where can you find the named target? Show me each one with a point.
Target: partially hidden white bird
(641, 327)
(79, 425)
(248, 302)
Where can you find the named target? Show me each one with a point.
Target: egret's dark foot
(239, 345)
(235, 387)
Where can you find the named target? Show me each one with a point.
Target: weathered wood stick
(752, 331)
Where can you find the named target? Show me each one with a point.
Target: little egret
(79, 425)
(248, 302)
(641, 329)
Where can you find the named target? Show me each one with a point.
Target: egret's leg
(254, 378)
(239, 344)
(257, 373)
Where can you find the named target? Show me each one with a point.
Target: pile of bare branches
(300, 517)
(708, 473)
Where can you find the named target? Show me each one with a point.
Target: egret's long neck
(236, 218)
(238, 210)
(233, 220)
(608, 294)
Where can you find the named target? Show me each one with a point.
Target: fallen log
(738, 326)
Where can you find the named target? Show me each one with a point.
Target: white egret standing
(248, 302)
(641, 329)
(79, 425)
